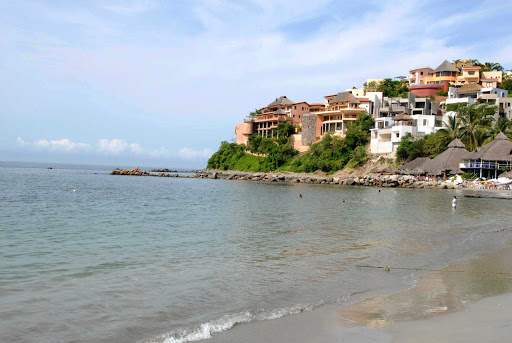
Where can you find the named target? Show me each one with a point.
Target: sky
(162, 83)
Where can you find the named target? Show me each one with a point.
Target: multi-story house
(473, 74)
(444, 73)
(280, 110)
(417, 76)
(439, 78)
(475, 93)
(336, 114)
(399, 117)
(266, 120)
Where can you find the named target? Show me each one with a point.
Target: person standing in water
(454, 202)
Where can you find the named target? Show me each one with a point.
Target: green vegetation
(441, 92)
(474, 125)
(469, 176)
(392, 88)
(331, 154)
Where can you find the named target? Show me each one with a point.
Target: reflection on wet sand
(436, 293)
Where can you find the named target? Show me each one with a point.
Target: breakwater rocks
(134, 171)
(393, 181)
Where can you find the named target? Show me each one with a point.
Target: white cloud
(63, 145)
(113, 146)
(193, 154)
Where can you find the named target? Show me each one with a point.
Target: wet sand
(468, 301)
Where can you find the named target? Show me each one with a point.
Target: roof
(364, 100)
(471, 67)
(456, 143)
(416, 166)
(506, 174)
(499, 149)
(354, 101)
(317, 104)
(282, 100)
(448, 160)
(342, 97)
(301, 102)
(470, 87)
(279, 111)
(402, 117)
(446, 66)
(420, 68)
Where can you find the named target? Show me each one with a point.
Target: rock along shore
(372, 180)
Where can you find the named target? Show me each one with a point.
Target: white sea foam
(206, 330)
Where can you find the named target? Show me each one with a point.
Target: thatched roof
(449, 160)
(402, 117)
(456, 143)
(279, 111)
(499, 149)
(354, 101)
(506, 174)
(470, 87)
(446, 66)
(343, 97)
(282, 100)
(417, 165)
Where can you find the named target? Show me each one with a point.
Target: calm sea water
(141, 259)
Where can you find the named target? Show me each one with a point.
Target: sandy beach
(468, 301)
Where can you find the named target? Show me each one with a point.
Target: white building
(398, 118)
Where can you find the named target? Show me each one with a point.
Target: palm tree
(452, 127)
(501, 125)
(475, 121)
(493, 66)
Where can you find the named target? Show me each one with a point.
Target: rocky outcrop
(135, 171)
(391, 181)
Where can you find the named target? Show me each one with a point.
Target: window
(424, 122)
(421, 73)
(294, 107)
(397, 135)
(471, 72)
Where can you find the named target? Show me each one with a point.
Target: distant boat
(49, 168)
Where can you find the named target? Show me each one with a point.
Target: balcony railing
(488, 165)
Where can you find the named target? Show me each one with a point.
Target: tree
(371, 86)
(451, 127)
(507, 83)
(474, 121)
(501, 125)
(435, 144)
(254, 113)
(492, 66)
(407, 151)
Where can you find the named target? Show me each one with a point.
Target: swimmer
(454, 202)
(300, 196)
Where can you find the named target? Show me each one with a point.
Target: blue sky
(162, 83)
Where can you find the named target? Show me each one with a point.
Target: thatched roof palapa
(282, 100)
(446, 66)
(416, 166)
(402, 117)
(470, 87)
(449, 160)
(499, 149)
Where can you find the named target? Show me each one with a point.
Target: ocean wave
(227, 322)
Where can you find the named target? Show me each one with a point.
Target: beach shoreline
(369, 180)
(468, 300)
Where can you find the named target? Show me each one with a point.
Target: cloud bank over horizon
(173, 78)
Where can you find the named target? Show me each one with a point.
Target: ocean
(90, 257)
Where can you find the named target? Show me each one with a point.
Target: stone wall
(308, 128)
